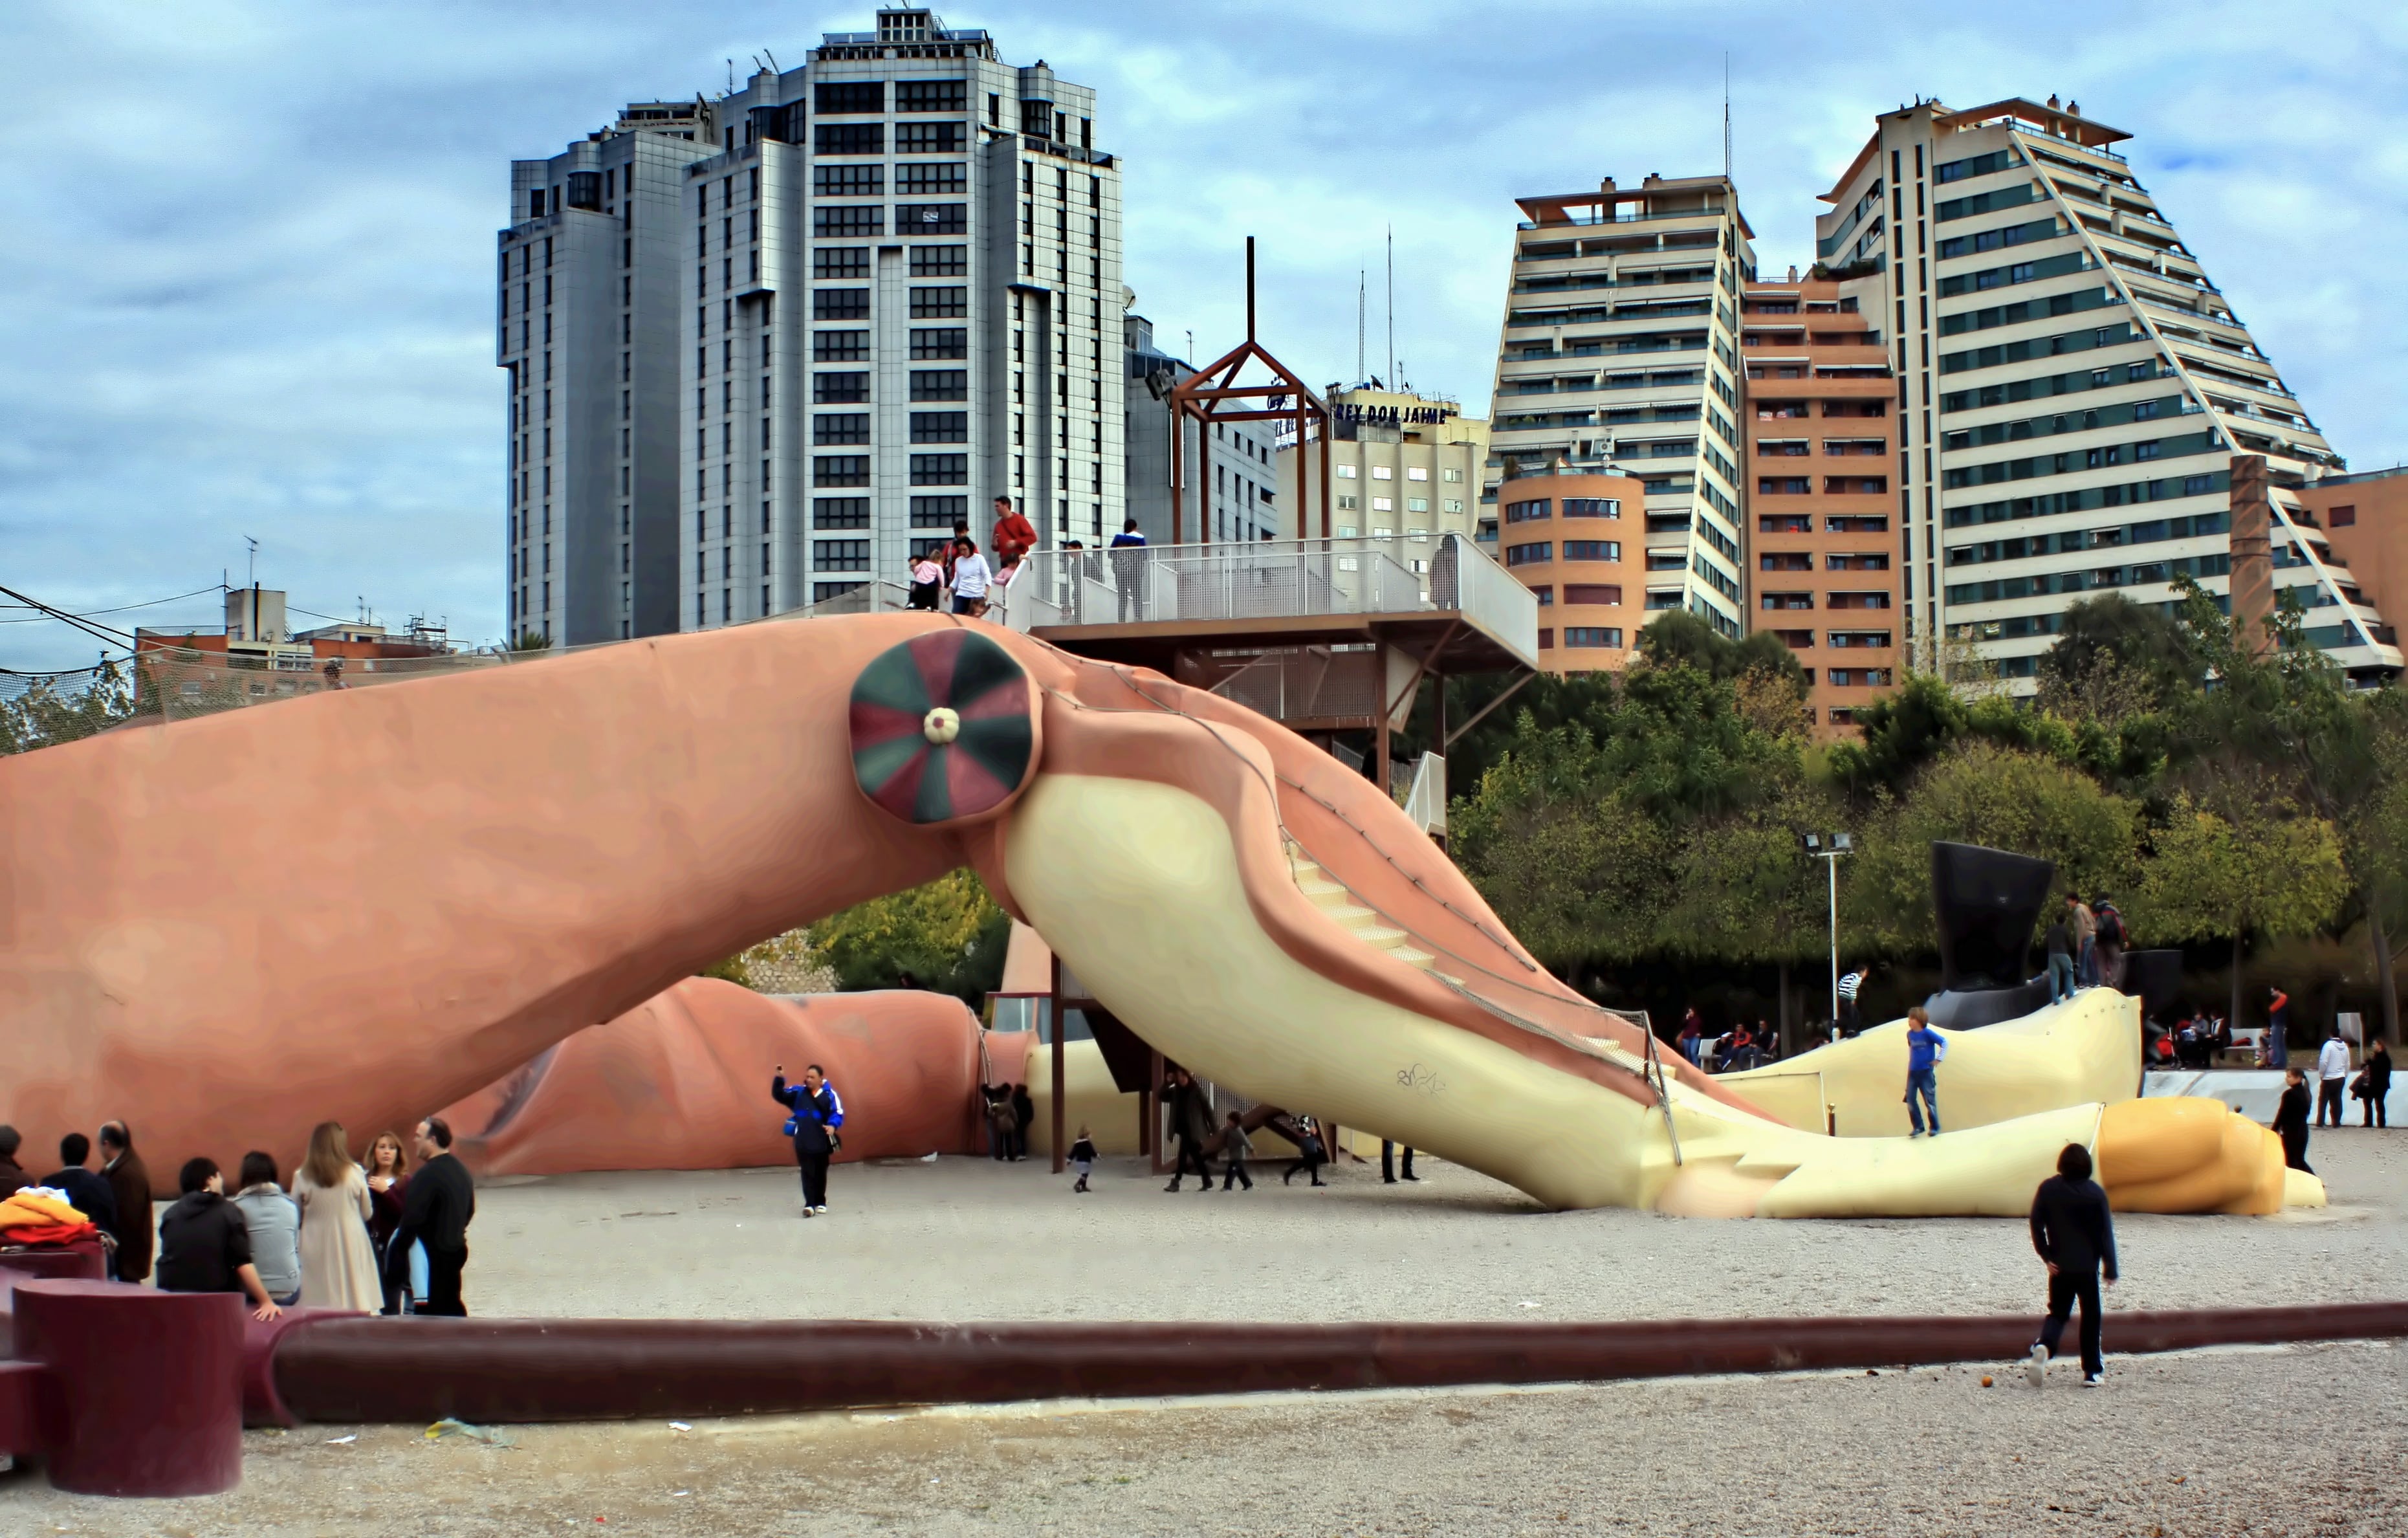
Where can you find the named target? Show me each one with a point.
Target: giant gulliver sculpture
(452, 875)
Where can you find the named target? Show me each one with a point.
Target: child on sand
(1236, 1145)
(1083, 1158)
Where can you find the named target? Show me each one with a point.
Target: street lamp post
(1828, 847)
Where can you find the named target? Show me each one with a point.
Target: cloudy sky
(247, 247)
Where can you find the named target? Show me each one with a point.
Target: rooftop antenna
(731, 77)
(250, 572)
(1726, 134)
(1362, 289)
(1250, 288)
(1392, 302)
(773, 61)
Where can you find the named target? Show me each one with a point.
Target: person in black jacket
(204, 1242)
(2292, 1120)
(436, 1210)
(2076, 1239)
(2376, 1074)
(813, 1115)
(88, 1193)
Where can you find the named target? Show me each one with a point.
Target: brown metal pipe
(538, 1370)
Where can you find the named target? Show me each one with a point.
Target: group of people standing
(377, 1239)
(956, 575)
(2086, 946)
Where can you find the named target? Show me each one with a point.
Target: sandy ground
(2304, 1440)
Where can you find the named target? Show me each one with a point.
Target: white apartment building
(842, 308)
(2072, 385)
(1620, 352)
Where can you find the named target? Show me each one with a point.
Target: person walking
(1850, 1021)
(339, 1259)
(13, 1177)
(1128, 572)
(1310, 1152)
(1926, 1050)
(2278, 1029)
(1191, 1123)
(2332, 1078)
(388, 1181)
(2376, 1075)
(2109, 940)
(1024, 1112)
(1014, 536)
(204, 1244)
(1692, 1038)
(1387, 1163)
(815, 1110)
(1235, 1146)
(2086, 944)
(436, 1212)
(86, 1192)
(129, 1181)
(972, 578)
(275, 1225)
(1083, 1158)
(927, 580)
(2075, 1236)
(2290, 1121)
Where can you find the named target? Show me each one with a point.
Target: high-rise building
(2072, 387)
(1567, 537)
(1404, 469)
(841, 308)
(1620, 353)
(1822, 540)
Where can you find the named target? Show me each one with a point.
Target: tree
(531, 640)
(949, 935)
(2113, 655)
(45, 715)
(2001, 798)
(2265, 870)
(1925, 717)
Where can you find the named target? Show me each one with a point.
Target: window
(851, 427)
(1417, 475)
(1856, 563)
(932, 95)
(1593, 636)
(840, 471)
(1523, 512)
(929, 138)
(840, 304)
(1592, 550)
(839, 346)
(849, 96)
(849, 219)
(940, 304)
(1794, 486)
(1596, 593)
(1592, 507)
(848, 181)
(941, 426)
(1860, 678)
(2344, 516)
(1413, 504)
(940, 385)
(1529, 554)
(830, 389)
(932, 218)
(1845, 639)
(940, 512)
(931, 177)
(849, 138)
(1782, 600)
(941, 261)
(1383, 503)
(1382, 472)
(1790, 560)
(1546, 596)
(940, 342)
(1787, 523)
(1345, 472)
(940, 469)
(840, 261)
(840, 512)
(841, 554)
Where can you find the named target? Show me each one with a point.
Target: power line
(109, 634)
(45, 616)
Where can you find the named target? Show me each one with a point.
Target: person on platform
(86, 1192)
(2086, 944)
(1926, 1050)
(129, 1181)
(2109, 940)
(2059, 943)
(275, 1225)
(1235, 1146)
(1692, 1039)
(2376, 1076)
(1014, 536)
(1191, 1123)
(2332, 1078)
(388, 1180)
(1850, 1021)
(339, 1259)
(927, 580)
(2290, 1121)
(2075, 1236)
(12, 1177)
(436, 1212)
(972, 578)
(1083, 1158)
(814, 1111)
(204, 1245)
(1387, 1165)
(1128, 572)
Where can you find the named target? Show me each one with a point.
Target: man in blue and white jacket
(814, 1113)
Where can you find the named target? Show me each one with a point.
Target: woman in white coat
(338, 1263)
